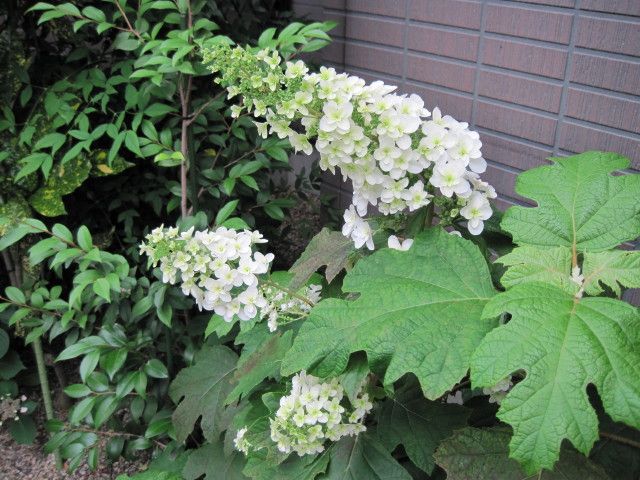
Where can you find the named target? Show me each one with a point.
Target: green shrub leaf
(580, 205)
(474, 453)
(200, 391)
(611, 269)
(327, 248)
(418, 424)
(419, 311)
(362, 458)
(260, 364)
(211, 461)
(563, 344)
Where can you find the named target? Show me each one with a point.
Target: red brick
(387, 32)
(340, 20)
(334, 52)
(604, 109)
(626, 7)
(546, 61)
(529, 23)
(512, 121)
(442, 42)
(502, 203)
(616, 36)
(632, 296)
(579, 138)
(373, 58)
(337, 4)
(555, 3)
(458, 106)
(307, 11)
(539, 94)
(612, 74)
(458, 13)
(369, 78)
(441, 72)
(395, 8)
(512, 152)
(502, 180)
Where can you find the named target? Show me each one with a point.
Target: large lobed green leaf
(210, 460)
(611, 269)
(562, 341)
(362, 458)
(260, 364)
(475, 454)
(418, 424)
(580, 205)
(327, 248)
(563, 344)
(419, 311)
(201, 390)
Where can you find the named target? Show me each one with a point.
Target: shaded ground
(29, 462)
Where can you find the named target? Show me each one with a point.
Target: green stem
(288, 291)
(46, 391)
(167, 343)
(428, 219)
(620, 439)
(37, 350)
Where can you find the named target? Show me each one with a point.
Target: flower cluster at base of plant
(312, 413)
(396, 153)
(217, 268)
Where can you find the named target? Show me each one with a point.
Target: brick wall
(536, 78)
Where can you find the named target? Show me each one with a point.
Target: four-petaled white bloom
(357, 228)
(476, 211)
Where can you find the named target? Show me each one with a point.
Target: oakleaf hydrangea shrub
(395, 352)
(411, 358)
(428, 307)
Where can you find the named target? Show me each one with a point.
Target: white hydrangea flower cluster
(314, 412)
(394, 151)
(241, 443)
(218, 268)
(283, 308)
(499, 390)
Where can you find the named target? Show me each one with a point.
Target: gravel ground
(29, 462)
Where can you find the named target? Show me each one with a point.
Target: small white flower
(394, 243)
(449, 178)
(476, 211)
